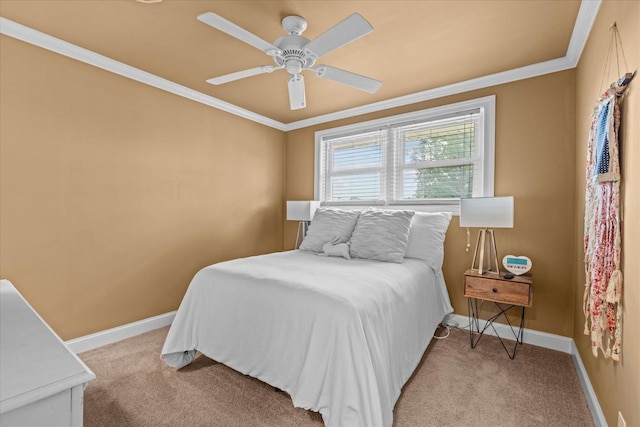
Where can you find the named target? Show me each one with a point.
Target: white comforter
(340, 336)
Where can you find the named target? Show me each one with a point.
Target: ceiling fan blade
(344, 32)
(296, 92)
(348, 78)
(228, 27)
(242, 74)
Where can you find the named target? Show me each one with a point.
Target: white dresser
(41, 381)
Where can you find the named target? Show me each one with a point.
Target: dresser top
(34, 362)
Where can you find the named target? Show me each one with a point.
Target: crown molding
(45, 41)
(529, 71)
(584, 22)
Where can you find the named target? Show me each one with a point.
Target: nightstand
(505, 294)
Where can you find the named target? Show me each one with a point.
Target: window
(429, 158)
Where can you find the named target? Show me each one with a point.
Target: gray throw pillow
(381, 235)
(327, 224)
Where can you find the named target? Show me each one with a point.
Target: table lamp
(302, 211)
(486, 213)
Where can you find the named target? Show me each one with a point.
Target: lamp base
(303, 226)
(486, 245)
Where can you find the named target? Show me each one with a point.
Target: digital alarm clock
(517, 264)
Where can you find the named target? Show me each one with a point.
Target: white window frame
(486, 150)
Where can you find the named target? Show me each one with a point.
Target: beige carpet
(453, 386)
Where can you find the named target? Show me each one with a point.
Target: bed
(341, 336)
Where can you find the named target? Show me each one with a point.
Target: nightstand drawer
(497, 290)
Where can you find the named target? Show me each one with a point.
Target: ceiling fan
(295, 53)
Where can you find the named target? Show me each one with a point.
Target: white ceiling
(419, 49)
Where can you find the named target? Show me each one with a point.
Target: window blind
(433, 157)
(354, 168)
(437, 158)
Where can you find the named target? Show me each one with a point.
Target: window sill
(453, 208)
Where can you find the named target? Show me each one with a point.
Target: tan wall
(97, 170)
(535, 162)
(113, 193)
(617, 384)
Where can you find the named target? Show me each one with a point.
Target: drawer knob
(494, 290)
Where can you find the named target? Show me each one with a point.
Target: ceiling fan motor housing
(293, 56)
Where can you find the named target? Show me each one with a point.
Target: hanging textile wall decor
(603, 288)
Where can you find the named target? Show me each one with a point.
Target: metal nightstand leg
(474, 325)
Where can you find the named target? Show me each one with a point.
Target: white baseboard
(89, 342)
(546, 340)
(592, 400)
(540, 339)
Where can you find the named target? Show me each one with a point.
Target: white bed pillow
(381, 235)
(327, 224)
(426, 239)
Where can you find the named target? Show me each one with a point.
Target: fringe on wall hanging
(602, 304)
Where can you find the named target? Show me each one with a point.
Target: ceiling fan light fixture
(293, 66)
(148, 1)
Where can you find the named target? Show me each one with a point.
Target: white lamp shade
(301, 210)
(487, 212)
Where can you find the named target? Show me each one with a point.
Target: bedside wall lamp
(302, 211)
(486, 213)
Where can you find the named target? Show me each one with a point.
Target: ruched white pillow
(426, 239)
